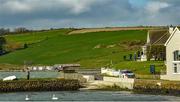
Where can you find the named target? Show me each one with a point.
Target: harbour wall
(39, 85)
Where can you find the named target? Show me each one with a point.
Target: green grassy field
(91, 50)
(35, 37)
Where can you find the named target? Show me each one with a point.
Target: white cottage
(172, 55)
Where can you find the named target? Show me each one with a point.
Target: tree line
(4, 31)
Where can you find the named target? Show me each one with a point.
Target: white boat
(27, 98)
(54, 97)
(10, 78)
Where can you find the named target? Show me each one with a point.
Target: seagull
(27, 98)
(159, 83)
(54, 97)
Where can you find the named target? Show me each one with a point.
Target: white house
(172, 55)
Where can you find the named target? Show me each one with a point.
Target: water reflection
(84, 96)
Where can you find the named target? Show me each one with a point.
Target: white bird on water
(27, 98)
(54, 97)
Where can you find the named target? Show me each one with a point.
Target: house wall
(148, 39)
(174, 44)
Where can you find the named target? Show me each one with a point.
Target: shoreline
(131, 91)
(39, 85)
(140, 86)
(104, 88)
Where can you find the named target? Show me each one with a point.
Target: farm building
(40, 68)
(67, 67)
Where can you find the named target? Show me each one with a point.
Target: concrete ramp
(110, 82)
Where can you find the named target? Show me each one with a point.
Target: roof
(175, 30)
(178, 27)
(68, 65)
(158, 37)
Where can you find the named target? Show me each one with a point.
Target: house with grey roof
(170, 40)
(154, 47)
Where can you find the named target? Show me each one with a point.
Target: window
(177, 55)
(175, 68)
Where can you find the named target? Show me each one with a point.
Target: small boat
(54, 97)
(10, 78)
(27, 98)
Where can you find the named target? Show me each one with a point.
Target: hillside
(35, 37)
(91, 50)
(88, 30)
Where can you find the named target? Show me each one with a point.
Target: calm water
(85, 96)
(40, 74)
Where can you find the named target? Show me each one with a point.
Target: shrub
(13, 46)
(132, 45)
(25, 45)
(158, 51)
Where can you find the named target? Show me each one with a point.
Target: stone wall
(89, 77)
(122, 82)
(173, 77)
(111, 82)
(76, 76)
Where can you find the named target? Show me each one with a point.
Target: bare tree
(4, 31)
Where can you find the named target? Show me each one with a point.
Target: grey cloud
(86, 13)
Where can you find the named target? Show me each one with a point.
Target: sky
(42, 14)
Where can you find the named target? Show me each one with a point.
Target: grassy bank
(157, 87)
(39, 85)
(91, 50)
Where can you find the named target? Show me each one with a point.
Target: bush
(158, 51)
(25, 45)
(13, 46)
(132, 45)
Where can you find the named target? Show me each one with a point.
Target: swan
(27, 98)
(54, 97)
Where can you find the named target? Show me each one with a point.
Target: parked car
(127, 74)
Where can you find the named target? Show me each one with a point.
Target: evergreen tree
(2, 43)
(25, 45)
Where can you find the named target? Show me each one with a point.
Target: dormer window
(177, 55)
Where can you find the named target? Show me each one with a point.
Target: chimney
(171, 29)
